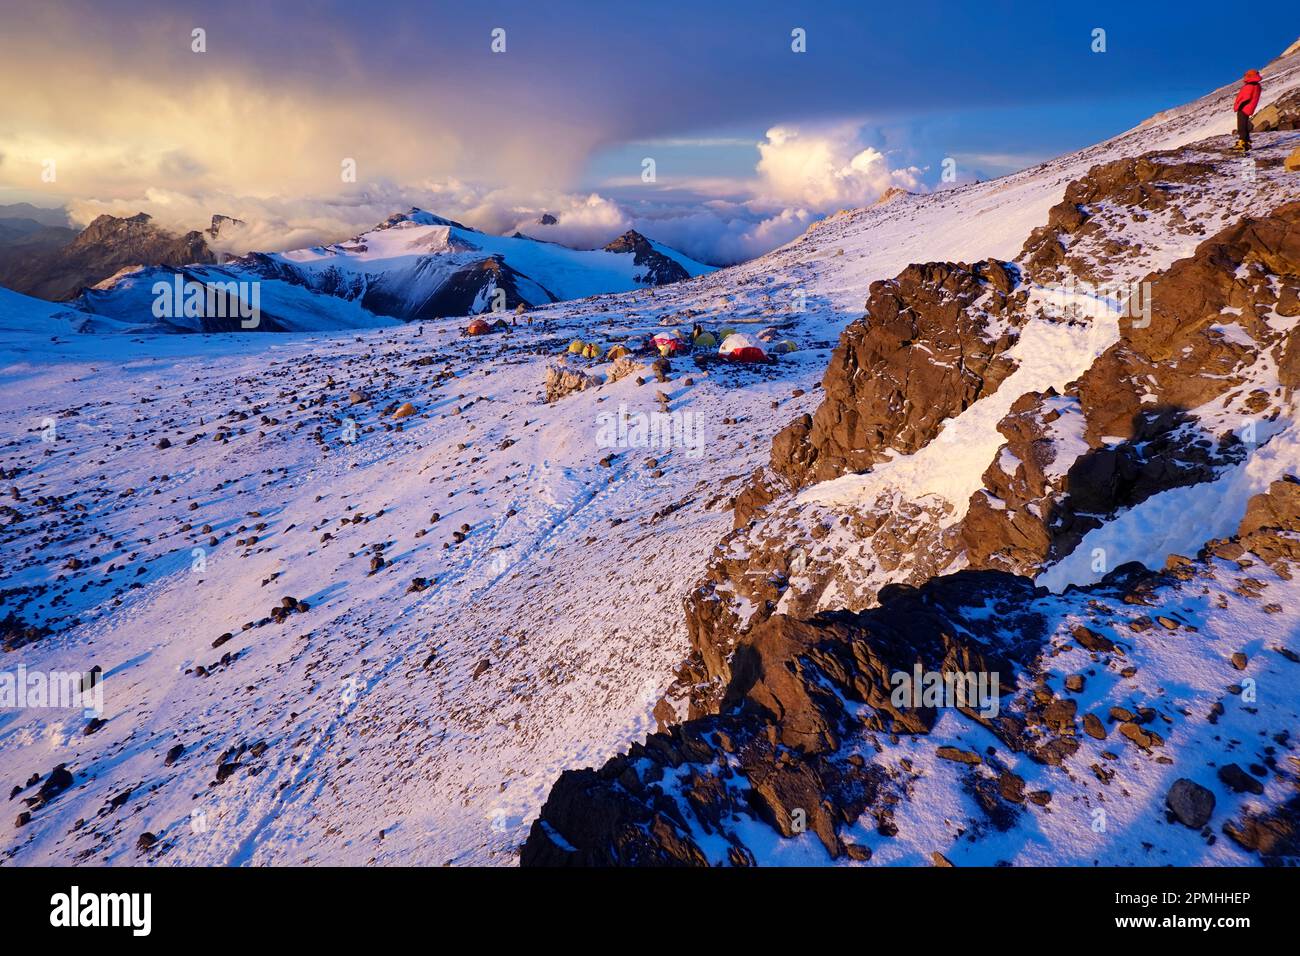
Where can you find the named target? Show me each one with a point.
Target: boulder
(1190, 803)
(562, 381)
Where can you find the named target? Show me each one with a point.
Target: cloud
(723, 233)
(583, 221)
(259, 127)
(125, 106)
(799, 176)
(827, 169)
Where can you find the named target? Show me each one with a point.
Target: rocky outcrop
(780, 751)
(1273, 834)
(1270, 529)
(1185, 355)
(932, 342)
(1144, 183)
(1282, 114)
(27, 241)
(787, 705)
(889, 195)
(655, 267)
(1128, 427)
(1016, 519)
(223, 223)
(562, 381)
(468, 291)
(16, 633)
(104, 248)
(1123, 432)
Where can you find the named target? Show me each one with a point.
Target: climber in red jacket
(1244, 105)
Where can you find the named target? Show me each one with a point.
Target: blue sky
(751, 140)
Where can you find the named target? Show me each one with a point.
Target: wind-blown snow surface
(23, 317)
(401, 726)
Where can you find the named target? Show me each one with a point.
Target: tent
(741, 348)
(478, 327)
(726, 330)
(785, 345)
(592, 351)
(617, 352)
(577, 347)
(669, 343)
(705, 340)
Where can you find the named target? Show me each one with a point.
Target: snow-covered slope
(27, 316)
(128, 300)
(382, 638)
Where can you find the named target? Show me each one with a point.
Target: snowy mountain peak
(420, 217)
(419, 265)
(220, 222)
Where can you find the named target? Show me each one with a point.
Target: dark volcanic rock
(1190, 803)
(16, 633)
(1238, 780)
(459, 295)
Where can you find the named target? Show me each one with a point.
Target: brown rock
(1093, 726)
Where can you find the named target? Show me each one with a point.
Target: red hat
(1252, 76)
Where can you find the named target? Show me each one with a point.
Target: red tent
(741, 348)
(669, 343)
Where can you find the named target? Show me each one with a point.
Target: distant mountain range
(105, 247)
(414, 265)
(28, 236)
